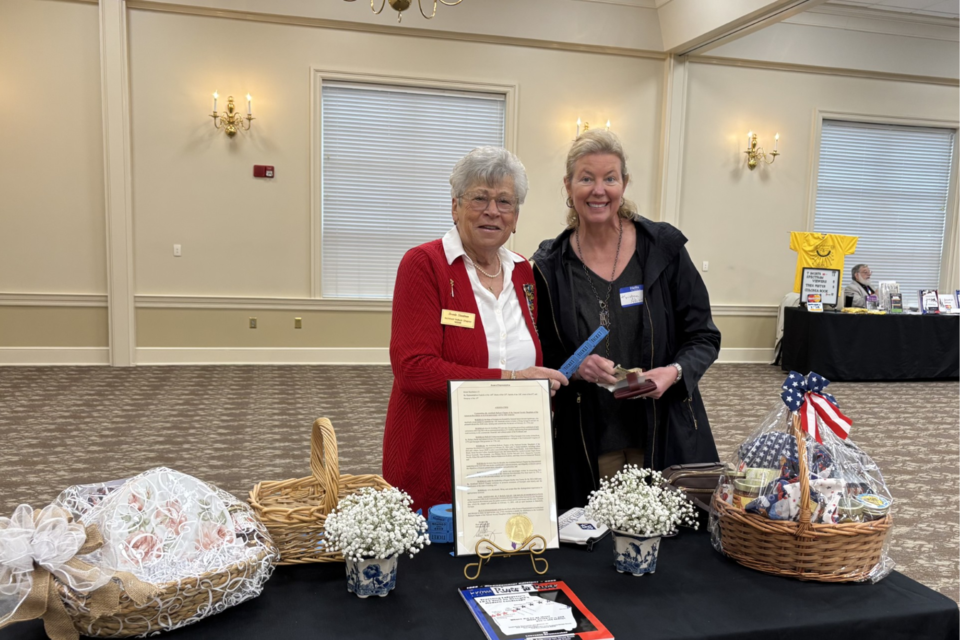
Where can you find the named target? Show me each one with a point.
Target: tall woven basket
(294, 511)
(846, 552)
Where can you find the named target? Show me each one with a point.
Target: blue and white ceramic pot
(635, 554)
(373, 577)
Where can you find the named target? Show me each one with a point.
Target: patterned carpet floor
(235, 426)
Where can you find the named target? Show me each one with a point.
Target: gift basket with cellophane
(800, 499)
(132, 557)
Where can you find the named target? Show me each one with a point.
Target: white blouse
(509, 344)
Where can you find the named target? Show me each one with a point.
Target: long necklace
(604, 304)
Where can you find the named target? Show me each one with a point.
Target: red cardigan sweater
(425, 354)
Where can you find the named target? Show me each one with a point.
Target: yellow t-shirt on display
(820, 250)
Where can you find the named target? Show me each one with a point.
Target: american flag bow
(806, 397)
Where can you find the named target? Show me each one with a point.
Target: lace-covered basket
(132, 558)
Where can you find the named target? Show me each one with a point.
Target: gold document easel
(528, 547)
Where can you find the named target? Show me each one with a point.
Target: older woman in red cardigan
(468, 270)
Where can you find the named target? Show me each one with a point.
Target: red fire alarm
(262, 171)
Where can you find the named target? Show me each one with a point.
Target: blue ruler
(573, 363)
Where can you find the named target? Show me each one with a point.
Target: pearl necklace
(490, 275)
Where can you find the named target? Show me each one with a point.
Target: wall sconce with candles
(755, 153)
(586, 127)
(402, 5)
(231, 121)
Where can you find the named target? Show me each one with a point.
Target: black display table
(850, 347)
(695, 593)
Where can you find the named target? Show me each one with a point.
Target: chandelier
(402, 5)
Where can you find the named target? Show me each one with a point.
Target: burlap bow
(39, 548)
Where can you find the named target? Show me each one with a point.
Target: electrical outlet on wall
(253, 323)
(177, 251)
(297, 323)
(706, 266)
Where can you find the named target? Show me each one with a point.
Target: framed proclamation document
(501, 460)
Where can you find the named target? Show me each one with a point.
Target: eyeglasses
(480, 201)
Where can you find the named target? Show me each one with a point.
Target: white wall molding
(335, 356)
(273, 304)
(643, 4)
(829, 71)
(236, 355)
(867, 20)
(47, 356)
(755, 355)
(53, 300)
(87, 356)
(117, 175)
(671, 138)
(279, 304)
(745, 310)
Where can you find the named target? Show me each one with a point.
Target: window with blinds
(387, 153)
(889, 185)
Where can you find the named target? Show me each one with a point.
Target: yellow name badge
(458, 319)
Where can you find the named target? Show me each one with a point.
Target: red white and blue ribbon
(805, 396)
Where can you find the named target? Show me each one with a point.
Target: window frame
(509, 91)
(949, 260)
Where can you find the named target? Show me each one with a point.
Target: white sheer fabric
(45, 538)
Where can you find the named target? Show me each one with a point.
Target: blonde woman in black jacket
(634, 276)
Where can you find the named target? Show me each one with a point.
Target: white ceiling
(938, 8)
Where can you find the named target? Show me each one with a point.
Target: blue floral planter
(635, 554)
(374, 577)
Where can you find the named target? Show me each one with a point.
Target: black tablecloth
(844, 346)
(695, 593)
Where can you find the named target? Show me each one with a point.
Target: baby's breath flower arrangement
(376, 524)
(635, 501)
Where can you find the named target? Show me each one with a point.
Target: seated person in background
(468, 271)
(860, 288)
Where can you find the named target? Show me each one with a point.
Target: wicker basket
(176, 603)
(294, 510)
(846, 552)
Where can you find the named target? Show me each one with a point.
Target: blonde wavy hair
(597, 141)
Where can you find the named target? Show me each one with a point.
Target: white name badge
(631, 296)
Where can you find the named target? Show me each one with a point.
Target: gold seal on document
(519, 528)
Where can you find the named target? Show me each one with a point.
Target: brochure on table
(501, 460)
(546, 609)
(929, 301)
(825, 282)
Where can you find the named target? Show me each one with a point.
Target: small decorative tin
(874, 507)
(745, 491)
(850, 510)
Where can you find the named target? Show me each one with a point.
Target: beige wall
(53, 327)
(739, 220)
(193, 328)
(624, 24)
(740, 332)
(244, 238)
(921, 48)
(247, 237)
(52, 236)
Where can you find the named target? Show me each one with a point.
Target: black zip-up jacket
(677, 327)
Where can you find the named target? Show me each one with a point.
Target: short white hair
(489, 166)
